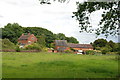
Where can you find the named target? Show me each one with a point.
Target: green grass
(56, 65)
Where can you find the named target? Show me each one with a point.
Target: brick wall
(30, 40)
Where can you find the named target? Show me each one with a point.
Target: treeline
(106, 46)
(45, 37)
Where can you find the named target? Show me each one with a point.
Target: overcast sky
(56, 17)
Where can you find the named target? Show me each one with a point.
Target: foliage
(49, 39)
(113, 53)
(68, 51)
(12, 32)
(41, 40)
(110, 18)
(17, 49)
(116, 47)
(72, 49)
(99, 43)
(105, 46)
(90, 52)
(34, 46)
(52, 45)
(7, 44)
(60, 36)
(109, 24)
(71, 40)
(38, 31)
(45, 37)
(106, 49)
(0, 33)
(0, 43)
(49, 1)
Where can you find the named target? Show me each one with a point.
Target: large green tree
(100, 43)
(60, 36)
(71, 40)
(12, 32)
(38, 31)
(41, 40)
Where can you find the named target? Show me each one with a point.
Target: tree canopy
(104, 45)
(12, 32)
(108, 25)
(45, 37)
(100, 43)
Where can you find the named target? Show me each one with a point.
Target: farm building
(83, 47)
(26, 39)
(62, 45)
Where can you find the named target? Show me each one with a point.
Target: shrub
(7, 44)
(112, 53)
(90, 52)
(118, 52)
(68, 51)
(17, 49)
(45, 49)
(97, 48)
(105, 50)
(34, 46)
(72, 49)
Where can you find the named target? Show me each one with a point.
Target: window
(32, 38)
(29, 42)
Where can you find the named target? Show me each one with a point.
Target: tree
(12, 32)
(60, 36)
(49, 1)
(110, 22)
(71, 40)
(49, 38)
(99, 43)
(111, 44)
(110, 17)
(38, 31)
(41, 40)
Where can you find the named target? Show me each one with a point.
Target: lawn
(58, 65)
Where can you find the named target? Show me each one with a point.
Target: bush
(97, 48)
(90, 52)
(105, 50)
(112, 53)
(68, 51)
(45, 49)
(34, 46)
(72, 49)
(7, 44)
(17, 49)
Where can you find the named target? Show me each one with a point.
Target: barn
(83, 47)
(62, 45)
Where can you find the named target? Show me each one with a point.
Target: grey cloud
(1, 16)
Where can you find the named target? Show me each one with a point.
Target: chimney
(28, 33)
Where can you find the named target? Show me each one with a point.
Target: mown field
(57, 65)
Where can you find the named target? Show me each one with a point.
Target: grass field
(56, 65)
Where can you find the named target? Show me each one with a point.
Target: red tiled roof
(24, 37)
(72, 45)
